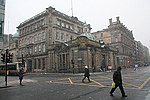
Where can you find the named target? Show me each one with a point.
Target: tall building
(38, 34)
(139, 53)
(2, 16)
(118, 36)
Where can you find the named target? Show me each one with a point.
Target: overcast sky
(134, 14)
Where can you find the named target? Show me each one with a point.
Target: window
(32, 39)
(67, 26)
(35, 38)
(43, 22)
(116, 39)
(35, 49)
(44, 36)
(63, 25)
(57, 35)
(30, 52)
(39, 37)
(67, 37)
(62, 36)
(101, 34)
(71, 27)
(58, 22)
(39, 48)
(44, 49)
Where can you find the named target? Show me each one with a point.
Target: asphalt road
(70, 87)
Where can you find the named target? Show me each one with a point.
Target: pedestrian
(135, 67)
(86, 74)
(117, 78)
(20, 74)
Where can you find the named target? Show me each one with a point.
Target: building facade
(73, 55)
(118, 36)
(2, 16)
(139, 53)
(38, 34)
(11, 43)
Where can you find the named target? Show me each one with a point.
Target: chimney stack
(110, 21)
(118, 21)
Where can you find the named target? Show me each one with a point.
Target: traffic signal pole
(6, 67)
(6, 58)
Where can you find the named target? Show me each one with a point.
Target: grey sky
(134, 14)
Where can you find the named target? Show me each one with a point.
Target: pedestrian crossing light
(3, 58)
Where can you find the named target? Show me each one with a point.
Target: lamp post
(102, 46)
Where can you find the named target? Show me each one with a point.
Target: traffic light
(9, 58)
(3, 58)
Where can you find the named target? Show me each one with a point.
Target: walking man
(86, 74)
(20, 76)
(117, 78)
(135, 67)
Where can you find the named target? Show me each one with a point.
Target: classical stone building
(118, 36)
(73, 55)
(38, 34)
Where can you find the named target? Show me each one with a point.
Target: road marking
(70, 80)
(98, 83)
(145, 82)
(131, 85)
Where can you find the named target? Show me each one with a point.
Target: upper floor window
(44, 48)
(67, 26)
(62, 36)
(44, 35)
(71, 27)
(40, 37)
(30, 51)
(35, 38)
(63, 24)
(35, 49)
(58, 22)
(116, 39)
(39, 48)
(57, 35)
(67, 37)
(32, 39)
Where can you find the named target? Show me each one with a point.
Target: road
(70, 87)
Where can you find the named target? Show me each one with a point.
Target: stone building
(2, 18)
(146, 56)
(73, 55)
(38, 34)
(139, 53)
(11, 43)
(118, 36)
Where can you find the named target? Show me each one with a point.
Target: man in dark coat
(20, 74)
(86, 74)
(117, 78)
